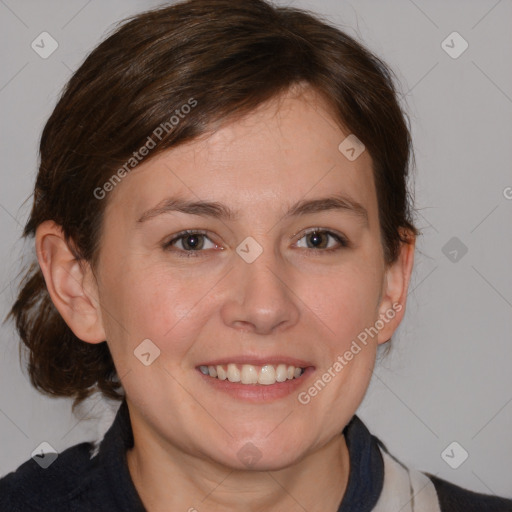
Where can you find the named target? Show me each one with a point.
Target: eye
(189, 242)
(325, 240)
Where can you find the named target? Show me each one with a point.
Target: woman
(224, 238)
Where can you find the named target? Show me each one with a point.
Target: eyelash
(181, 235)
(188, 254)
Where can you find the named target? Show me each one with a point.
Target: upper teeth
(249, 374)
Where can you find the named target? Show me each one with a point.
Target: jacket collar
(364, 485)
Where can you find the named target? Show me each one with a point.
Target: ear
(396, 284)
(70, 282)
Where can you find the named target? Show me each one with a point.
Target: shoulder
(83, 478)
(30, 488)
(453, 498)
(405, 488)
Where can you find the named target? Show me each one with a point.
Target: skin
(309, 304)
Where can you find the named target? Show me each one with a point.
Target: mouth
(256, 380)
(248, 374)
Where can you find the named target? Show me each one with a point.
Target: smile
(266, 374)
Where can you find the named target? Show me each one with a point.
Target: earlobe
(394, 294)
(70, 284)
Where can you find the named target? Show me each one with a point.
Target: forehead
(285, 150)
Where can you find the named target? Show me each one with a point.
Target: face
(282, 266)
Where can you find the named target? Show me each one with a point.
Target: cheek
(344, 302)
(145, 302)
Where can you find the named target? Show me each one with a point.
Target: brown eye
(317, 239)
(192, 242)
(322, 239)
(189, 242)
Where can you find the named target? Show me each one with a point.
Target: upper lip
(259, 361)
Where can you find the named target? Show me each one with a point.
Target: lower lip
(258, 392)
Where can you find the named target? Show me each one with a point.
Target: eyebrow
(223, 212)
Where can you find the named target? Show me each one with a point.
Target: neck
(170, 479)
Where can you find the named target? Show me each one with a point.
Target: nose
(260, 298)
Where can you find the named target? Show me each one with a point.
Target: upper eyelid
(307, 231)
(335, 234)
(342, 241)
(188, 232)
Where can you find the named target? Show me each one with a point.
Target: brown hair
(227, 57)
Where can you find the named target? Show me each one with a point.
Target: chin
(254, 455)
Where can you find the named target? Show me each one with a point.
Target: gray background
(448, 376)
